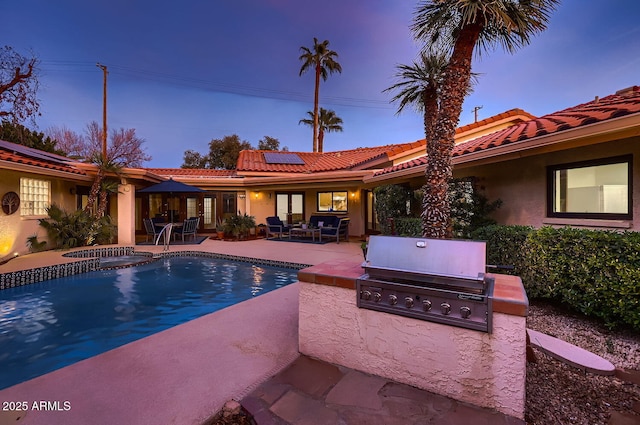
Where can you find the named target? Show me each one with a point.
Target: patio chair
(341, 231)
(150, 228)
(189, 227)
(275, 226)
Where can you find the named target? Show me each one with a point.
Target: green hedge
(593, 272)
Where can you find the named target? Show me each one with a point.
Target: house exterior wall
(14, 228)
(522, 186)
(261, 204)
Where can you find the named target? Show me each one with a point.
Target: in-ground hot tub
(473, 366)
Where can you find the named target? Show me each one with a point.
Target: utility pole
(475, 112)
(104, 111)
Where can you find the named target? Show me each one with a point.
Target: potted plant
(238, 225)
(248, 223)
(220, 228)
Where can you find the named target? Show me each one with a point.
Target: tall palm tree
(328, 121)
(456, 28)
(323, 61)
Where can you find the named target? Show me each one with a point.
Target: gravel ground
(560, 394)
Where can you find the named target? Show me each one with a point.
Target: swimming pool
(48, 325)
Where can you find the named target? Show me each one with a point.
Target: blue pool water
(49, 325)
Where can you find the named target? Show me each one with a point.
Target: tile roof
(19, 154)
(254, 161)
(622, 103)
(192, 172)
(511, 113)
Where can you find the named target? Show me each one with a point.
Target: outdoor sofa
(331, 226)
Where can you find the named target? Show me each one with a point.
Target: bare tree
(18, 86)
(125, 148)
(68, 141)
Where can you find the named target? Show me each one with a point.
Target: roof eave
(613, 129)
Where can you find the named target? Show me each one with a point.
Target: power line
(180, 80)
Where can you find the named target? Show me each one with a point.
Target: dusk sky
(183, 73)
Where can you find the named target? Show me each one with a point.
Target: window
(332, 201)
(594, 189)
(35, 196)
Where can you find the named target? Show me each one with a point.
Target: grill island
(436, 280)
(449, 357)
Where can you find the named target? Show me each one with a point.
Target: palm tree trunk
(430, 103)
(436, 212)
(315, 108)
(320, 140)
(102, 205)
(95, 190)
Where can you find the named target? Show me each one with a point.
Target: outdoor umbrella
(171, 186)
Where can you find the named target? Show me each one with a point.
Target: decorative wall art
(10, 203)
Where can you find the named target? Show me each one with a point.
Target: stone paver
(311, 376)
(347, 397)
(302, 409)
(357, 389)
(570, 354)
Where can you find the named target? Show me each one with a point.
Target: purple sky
(183, 73)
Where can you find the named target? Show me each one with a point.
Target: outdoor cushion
(327, 220)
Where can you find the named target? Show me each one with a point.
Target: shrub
(506, 245)
(408, 226)
(596, 273)
(78, 228)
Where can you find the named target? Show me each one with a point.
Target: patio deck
(248, 352)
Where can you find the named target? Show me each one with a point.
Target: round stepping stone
(570, 354)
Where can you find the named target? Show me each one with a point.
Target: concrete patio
(246, 352)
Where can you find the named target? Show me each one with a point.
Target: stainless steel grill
(436, 280)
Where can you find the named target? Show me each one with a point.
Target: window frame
(622, 159)
(331, 210)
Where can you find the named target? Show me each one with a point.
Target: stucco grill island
(435, 280)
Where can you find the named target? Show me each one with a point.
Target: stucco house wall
(522, 186)
(15, 228)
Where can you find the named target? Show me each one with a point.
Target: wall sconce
(242, 195)
(353, 194)
(257, 195)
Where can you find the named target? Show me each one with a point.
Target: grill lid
(443, 257)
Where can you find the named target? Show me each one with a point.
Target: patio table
(300, 232)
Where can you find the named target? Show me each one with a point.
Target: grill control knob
(393, 300)
(465, 312)
(377, 296)
(426, 305)
(366, 295)
(446, 308)
(408, 301)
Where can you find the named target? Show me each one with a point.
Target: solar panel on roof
(33, 153)
(282, 158)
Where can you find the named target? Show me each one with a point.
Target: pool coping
(89, 260)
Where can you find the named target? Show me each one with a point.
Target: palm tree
(328, 121)
(456, 28)
(105, 166)
(323, 61)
